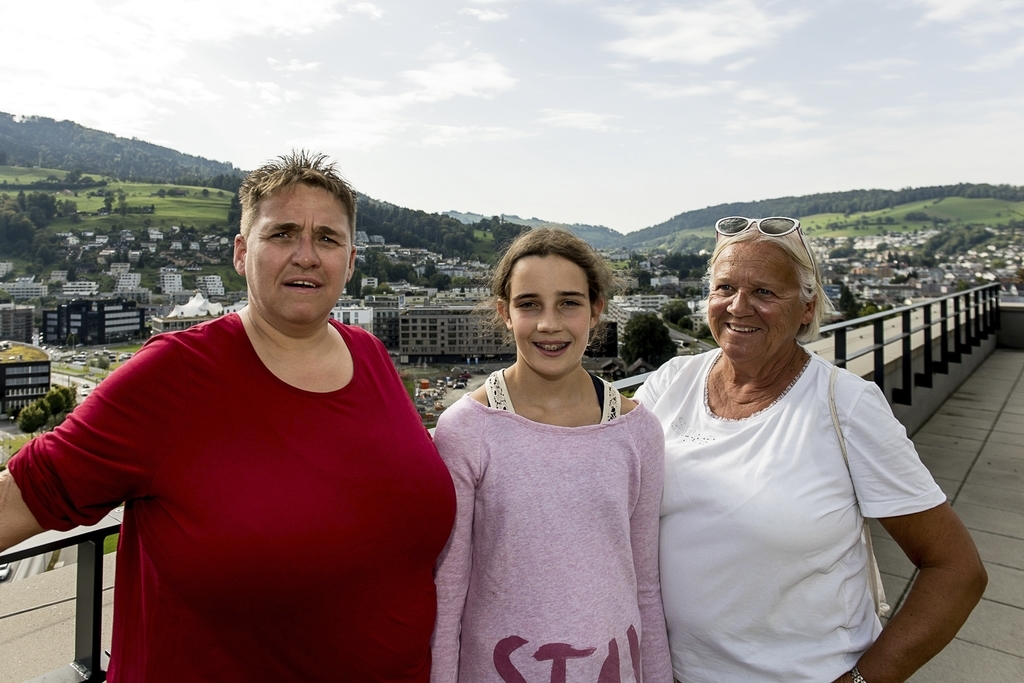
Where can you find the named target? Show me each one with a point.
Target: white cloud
(699, 35)
(485, 14)
(662, 91)
(449, 135)
(881, 66)
(360, 121)
(784, 123)
(790, 150)
(200, 20)
(292, 65)
(582, 120)
(479, 75)
(993, 27)
(366, 8)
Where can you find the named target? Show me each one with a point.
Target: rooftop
(13, 352)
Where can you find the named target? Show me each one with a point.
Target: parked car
(5, 572)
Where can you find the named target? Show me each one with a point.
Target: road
(691, 343)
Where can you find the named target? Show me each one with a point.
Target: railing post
(879, 375)
(996, 322)
(904, 393)
(942, 367)
(977, 335)
(959, 347)
(839, 347)
(924, 379)
(89, 611)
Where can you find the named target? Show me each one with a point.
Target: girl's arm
(458, 447)
(656, 662)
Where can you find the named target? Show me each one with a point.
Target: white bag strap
(875, 576)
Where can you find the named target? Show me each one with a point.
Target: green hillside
(694, 230)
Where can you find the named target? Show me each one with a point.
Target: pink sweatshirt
(551, 572)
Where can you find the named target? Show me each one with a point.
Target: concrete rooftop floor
(974, 447)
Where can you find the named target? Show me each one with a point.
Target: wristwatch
(855, 675)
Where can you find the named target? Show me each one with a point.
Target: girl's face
(550, 313)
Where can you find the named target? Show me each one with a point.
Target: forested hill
(43, 142)
(853, 201)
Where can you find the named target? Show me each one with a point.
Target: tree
(56, 401)
(647, 337)
(676, 312)
(848, 303)
(33, 416)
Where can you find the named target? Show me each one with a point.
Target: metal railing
(89, 663)
(956, 323)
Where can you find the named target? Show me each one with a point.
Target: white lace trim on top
(498, 398)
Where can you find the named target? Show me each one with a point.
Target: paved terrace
(973, 446)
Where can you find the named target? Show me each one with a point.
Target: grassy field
(950, 211)
(193, 209)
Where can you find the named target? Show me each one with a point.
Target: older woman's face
(754, 306)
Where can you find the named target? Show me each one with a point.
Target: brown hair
(601, 279)
(299, 167)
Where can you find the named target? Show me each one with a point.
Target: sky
(622, 114)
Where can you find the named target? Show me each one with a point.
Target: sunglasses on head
(776, 226)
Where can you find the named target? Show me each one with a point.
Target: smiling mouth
(742, 330)
(551, 347)
(302, 284)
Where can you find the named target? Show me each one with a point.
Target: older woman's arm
(951, 581)
(16, 521)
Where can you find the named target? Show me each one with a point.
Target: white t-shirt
(763, 572)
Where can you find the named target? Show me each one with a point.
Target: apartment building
(451, 334)
(16, 322)
(94, 321)
(24, 375)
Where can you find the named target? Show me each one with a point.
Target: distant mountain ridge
(852, 201)
(597, 236)
(45, 142)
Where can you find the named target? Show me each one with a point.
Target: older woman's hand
(950, 583)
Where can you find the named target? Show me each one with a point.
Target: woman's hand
(949, 584)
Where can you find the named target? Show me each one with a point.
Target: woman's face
(297, 257)
(550, 313)
(754, 307)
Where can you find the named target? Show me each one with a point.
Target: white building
(80, 289)
(170, 281)
(647, 302)
(58, 276)
(6, 267)
(210, 285)
(357, 316)
(127, 282)
(25, 288)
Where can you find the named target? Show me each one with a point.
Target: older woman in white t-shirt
(764, 574)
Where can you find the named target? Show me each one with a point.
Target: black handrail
(89, 662)
(975, 316)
